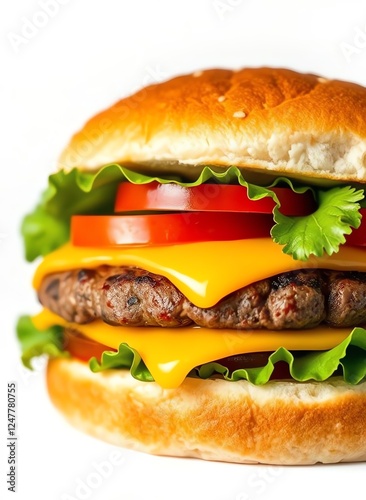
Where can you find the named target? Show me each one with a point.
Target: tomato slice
(255, 360)
(167, 229)
(358, 236)
(207, 197)
(82, 347)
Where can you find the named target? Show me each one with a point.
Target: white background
(59, 68)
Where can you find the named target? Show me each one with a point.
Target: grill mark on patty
(131, 296)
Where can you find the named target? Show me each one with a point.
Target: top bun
(257, 118)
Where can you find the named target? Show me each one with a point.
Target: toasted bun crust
(279, 423)
(259, 119)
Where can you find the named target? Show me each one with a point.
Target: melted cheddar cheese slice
(171, 353)
(204, 272)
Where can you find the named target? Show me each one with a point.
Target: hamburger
(202, 271)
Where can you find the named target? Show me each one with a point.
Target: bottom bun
(278, 423)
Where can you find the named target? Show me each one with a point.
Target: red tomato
(358, 236)
(255, 360)
(83, 348)
(166, 229)
(207, 197)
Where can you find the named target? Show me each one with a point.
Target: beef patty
(130, 296)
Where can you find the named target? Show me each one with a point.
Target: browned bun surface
(258, 118)
(278, 423)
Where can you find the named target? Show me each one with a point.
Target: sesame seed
(197, 74)
(322, 80)
(221, 98)
(239, 114)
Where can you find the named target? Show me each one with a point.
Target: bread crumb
(197, 74)
(221, 98)
(239, 114)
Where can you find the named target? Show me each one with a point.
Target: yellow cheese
(204, 272)
(171, 353)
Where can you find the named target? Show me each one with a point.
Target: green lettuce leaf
(323, 230)
(68, 193)
(349, 356)
(126, 357)
(35, 343)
